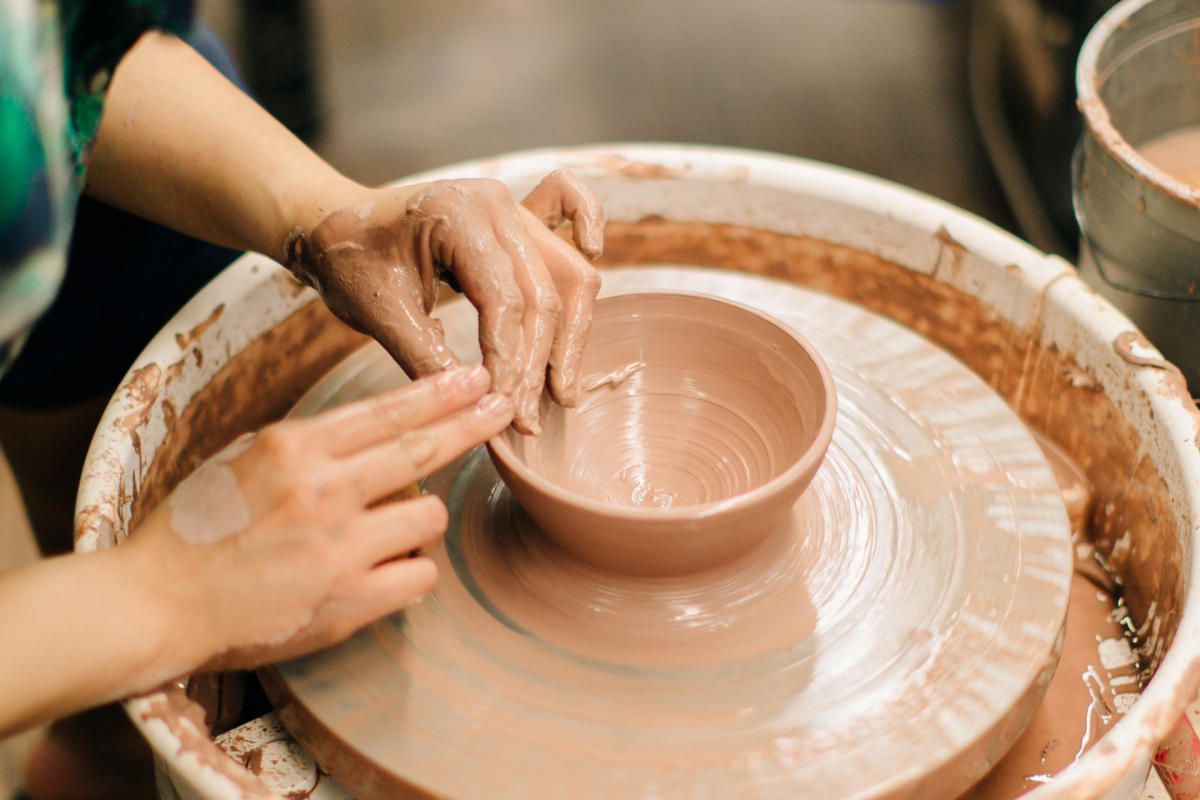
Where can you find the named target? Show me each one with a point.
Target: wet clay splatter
(1132, 502)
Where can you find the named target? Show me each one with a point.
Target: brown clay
(1088, 693)
(911, 605)
(1045, 384)
(1097, 677)
(704, 422)
(378, 265)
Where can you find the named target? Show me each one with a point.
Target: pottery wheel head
(885, 639)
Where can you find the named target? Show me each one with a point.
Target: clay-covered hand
(378, 262)
(279, 545)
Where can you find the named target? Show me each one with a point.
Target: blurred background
(971, 101)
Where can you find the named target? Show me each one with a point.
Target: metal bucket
(1138, 78)
(245, 349)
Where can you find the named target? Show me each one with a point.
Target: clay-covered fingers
(562, 195)
(362, 423)
(375, 472)
(405, 329)
(577, 283)
(485, 274)
(539, 323)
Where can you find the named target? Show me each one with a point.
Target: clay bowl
(701, 423)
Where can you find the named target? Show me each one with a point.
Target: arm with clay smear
(181, 145)
(274, 547)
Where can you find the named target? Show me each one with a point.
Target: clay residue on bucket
(1131, 158)
(1133, 347)
(1177, 154)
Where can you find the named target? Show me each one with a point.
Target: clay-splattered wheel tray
(891, 639)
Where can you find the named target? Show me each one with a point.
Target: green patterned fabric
(56, 60)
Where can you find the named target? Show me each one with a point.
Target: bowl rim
(810, 459)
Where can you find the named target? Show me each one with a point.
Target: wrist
(299, 213)
(170, 642)
(346, 214)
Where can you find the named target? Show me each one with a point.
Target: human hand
(275, 547)
(377, 264)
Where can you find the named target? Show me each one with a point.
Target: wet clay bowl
(701, 423)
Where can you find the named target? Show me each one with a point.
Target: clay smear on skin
(209, 505)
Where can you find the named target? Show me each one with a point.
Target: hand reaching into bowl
(212, 164)
(378, 261)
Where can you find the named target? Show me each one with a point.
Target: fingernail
(571, 395)
(420, 446)
(493, 404)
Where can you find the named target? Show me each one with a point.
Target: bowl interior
(688, 400)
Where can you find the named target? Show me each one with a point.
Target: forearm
(181, 145)
(76, 631)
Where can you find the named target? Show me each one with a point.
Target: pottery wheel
(892, 639)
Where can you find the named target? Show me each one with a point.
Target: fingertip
(423, 576)
(532, 415)
(526, 424)
(570, 393)
(435, 508)
(503, 378)
(589, 238)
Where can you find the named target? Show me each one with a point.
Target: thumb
(414, 339)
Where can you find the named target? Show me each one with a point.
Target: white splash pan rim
(1129, 746)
